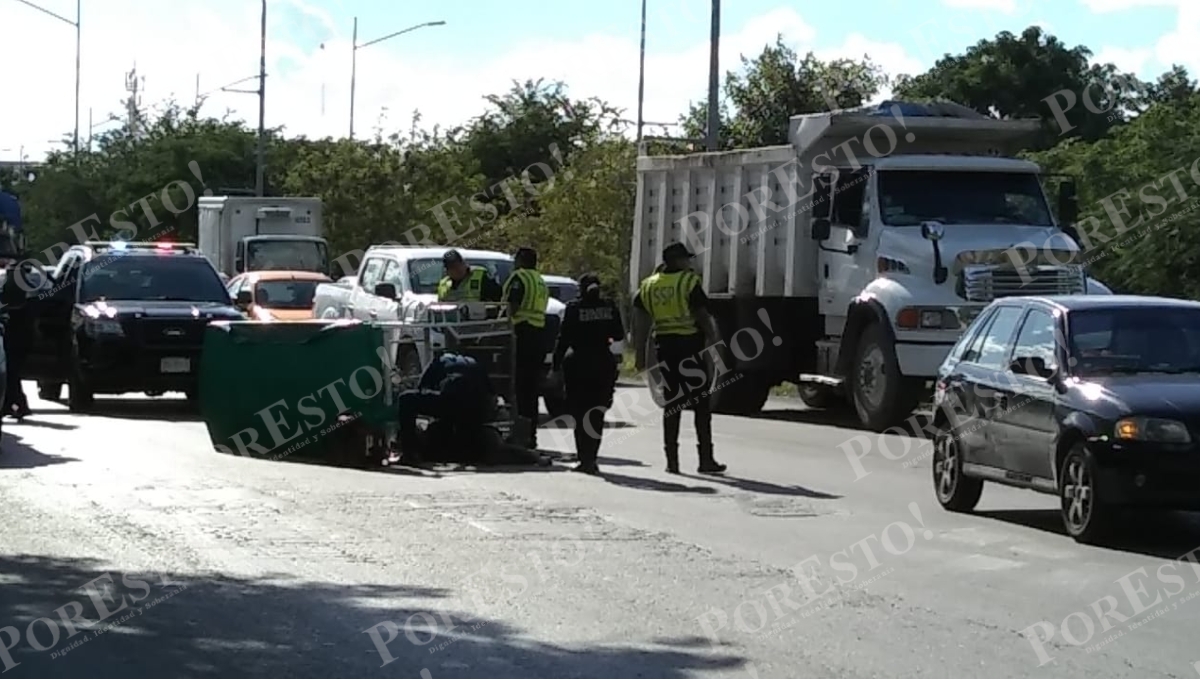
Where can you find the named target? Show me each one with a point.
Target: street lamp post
(641, 79)
(714, 80)
(78, 45)
(354, 57)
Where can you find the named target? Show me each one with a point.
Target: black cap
(676, 250)
(452, 256)
(588, 280)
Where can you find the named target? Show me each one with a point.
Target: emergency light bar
(143, 245)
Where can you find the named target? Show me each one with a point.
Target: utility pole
(355, 47)
(714, 80)
(260, 164)
(78, 47)
(641, 78)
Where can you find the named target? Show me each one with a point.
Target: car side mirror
(821, 228)
(1035, 366)
(386, 290)
(242, 299)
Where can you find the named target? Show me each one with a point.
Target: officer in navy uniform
(590, 326)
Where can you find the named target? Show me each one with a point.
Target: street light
(78, 40)
(354, 57)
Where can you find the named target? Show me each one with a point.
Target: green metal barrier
(273, 390)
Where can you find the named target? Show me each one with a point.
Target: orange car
(276, 295)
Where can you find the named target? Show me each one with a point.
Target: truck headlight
(927, 318)
(110, 327)
(1158, 430)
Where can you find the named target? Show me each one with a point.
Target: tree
(1154, 249)
(776, 85)
(1015, 76)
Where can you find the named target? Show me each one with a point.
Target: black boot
(672, 462)
(708, 464)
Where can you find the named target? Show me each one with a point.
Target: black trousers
(14, 395)
(685, 380)
(530, 361)
(589, 432)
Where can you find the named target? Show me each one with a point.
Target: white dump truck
(240, 234)
(863, 248)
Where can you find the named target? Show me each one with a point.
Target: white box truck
(869, 264)
(241, 234)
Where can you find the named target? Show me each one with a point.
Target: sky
(445, 71)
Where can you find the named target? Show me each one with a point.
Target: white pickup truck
(415, 273)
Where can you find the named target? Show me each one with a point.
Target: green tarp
(274, 389)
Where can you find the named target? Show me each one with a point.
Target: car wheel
(955, 491)
(50, 391)
(1086, 516)
(881, 395)
(80, 397)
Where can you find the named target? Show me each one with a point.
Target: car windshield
(563, 292)
(151, 277)
(425, 274)
(285, 294)
(1148, 339)
(302, 256)
(911, 197)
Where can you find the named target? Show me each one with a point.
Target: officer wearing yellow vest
(526, 294)
(676, 305)
(464, 283)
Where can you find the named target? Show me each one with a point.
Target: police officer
(677, 307)
(526, 295)
(591, 324)
(464, 283)
(18, 336)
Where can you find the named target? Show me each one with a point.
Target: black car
(1093, 398)
(120, 317)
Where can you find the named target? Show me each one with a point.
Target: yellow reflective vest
(470, 290)
(665, 297)
(534, 300)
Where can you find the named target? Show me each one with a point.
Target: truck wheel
(50, 391)
(740, 394)
(880, 394)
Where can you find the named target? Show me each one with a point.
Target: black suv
(125, 317)
(1093, 398)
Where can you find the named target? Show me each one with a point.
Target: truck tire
(882, 397)
(740, 394)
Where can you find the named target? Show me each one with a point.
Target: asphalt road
(794, 564)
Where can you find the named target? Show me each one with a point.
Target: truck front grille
(983, 283)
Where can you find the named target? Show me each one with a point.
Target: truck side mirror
(821, 228)
(242, 299)
(385, 290)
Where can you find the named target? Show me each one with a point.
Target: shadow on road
(756, 486)
(14, 454)
(158, 408)
(648, 484)
(843, 418)
(619, 462)
(211, 625)
(1168, 535)
(34, 421)
(568, 423)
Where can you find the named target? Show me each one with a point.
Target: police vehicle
(125, 317)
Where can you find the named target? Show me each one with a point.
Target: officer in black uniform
(18, 336)
(678, 308)
(591, 324)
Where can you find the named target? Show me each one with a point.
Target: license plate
(176, 365)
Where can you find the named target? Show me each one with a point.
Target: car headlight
(1152, 430)
(104, 327)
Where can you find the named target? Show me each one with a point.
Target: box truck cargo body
(241, 234)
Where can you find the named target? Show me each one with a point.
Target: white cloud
(1002, 6)
(1177, 46)
(1128, 60)
(308, 90)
